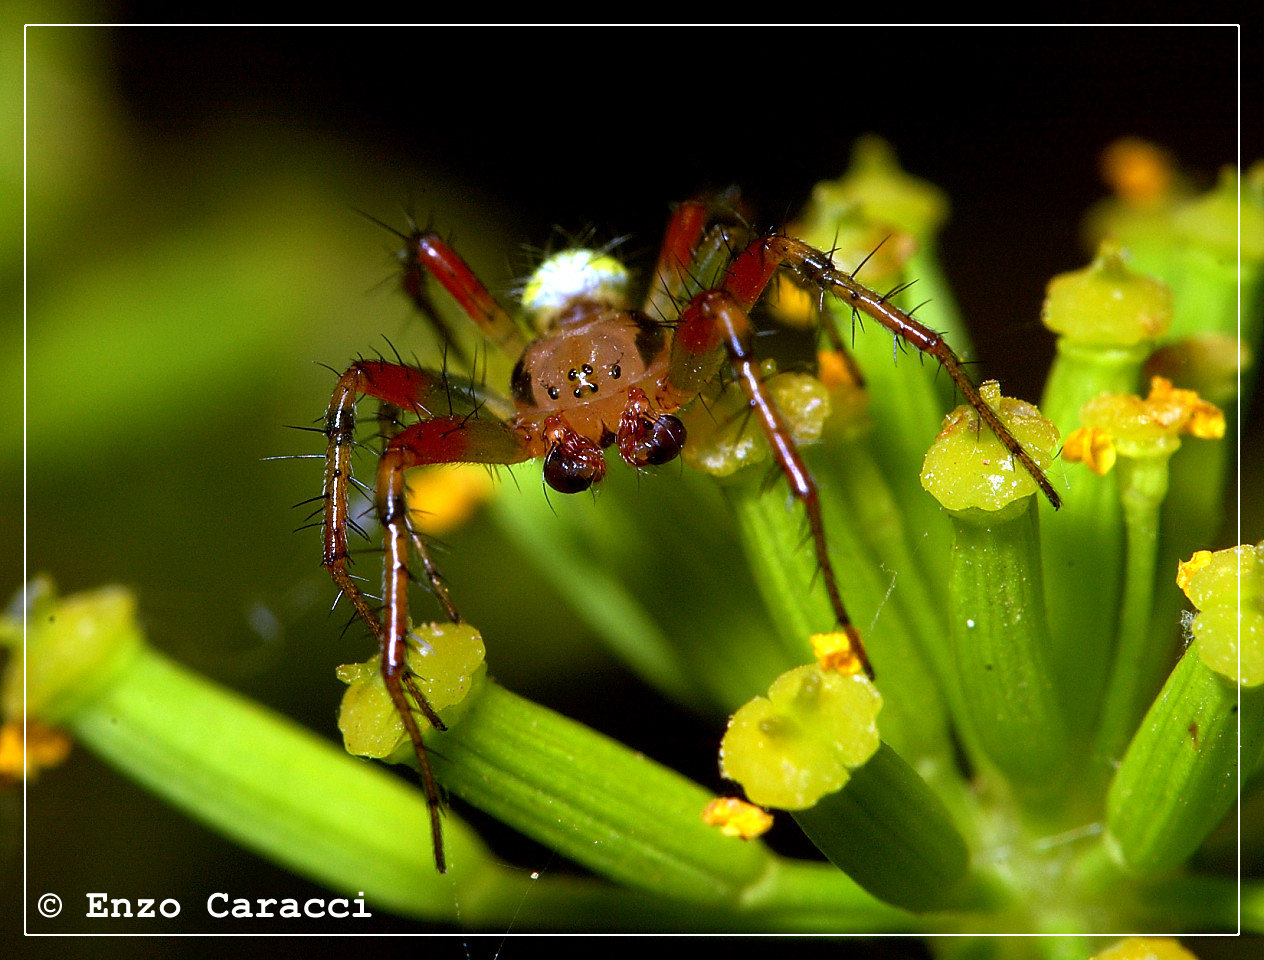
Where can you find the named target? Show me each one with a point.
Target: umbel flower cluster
(1065, 703)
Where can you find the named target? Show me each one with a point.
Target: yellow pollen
(1092, 447)
(737, 818)
(46, 747)
(1196, 416)
(1186, 569)
(834, 651)
(1139, 172)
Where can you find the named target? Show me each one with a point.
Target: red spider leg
(447, 439)
(402, 387)
(712, 325)
(428, 251)
(699, 229)
(684, 230)
(753, 269)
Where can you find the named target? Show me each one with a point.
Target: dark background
(535, 128)
(604, 128)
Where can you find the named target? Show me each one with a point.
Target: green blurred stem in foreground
(302, 802)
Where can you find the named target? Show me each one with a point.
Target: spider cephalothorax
(595, 376)
(598, 371)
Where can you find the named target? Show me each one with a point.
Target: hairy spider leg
(697, 248)
(427, 252)
(450, 438)
(753, 269)
(694, 252)
(715, 325)
(676, 255)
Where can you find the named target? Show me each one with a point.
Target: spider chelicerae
(595, 370)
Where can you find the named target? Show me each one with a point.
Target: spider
(597, 371)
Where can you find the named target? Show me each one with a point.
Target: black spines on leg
(409, 679)
(415, 281)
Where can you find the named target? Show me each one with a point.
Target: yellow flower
(1123, 423)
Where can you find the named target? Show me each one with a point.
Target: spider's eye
(662, 443)
(567, 474)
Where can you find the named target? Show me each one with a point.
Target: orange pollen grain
(737, 818)
(835, 651)
(1090, 446)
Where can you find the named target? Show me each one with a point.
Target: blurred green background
(193, 255)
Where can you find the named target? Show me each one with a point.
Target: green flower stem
(1011, 709)
(906, 404)
(909, 618)
(772, 527)
(1107, 316)
(259, 779)
(1084, 541)
(1194, 513)
(888, 832)
(815, 897)
(1081, 371)
(1136, 671)
(272, 786)
(629, 819)
(1003, 651)
(693, 635)
(606, 605)
(1179, 776)
(859, 495)
(303, 803)
(592, 799)
(791, 897)
(1217, 257)
(1217, 279)
(909, 624)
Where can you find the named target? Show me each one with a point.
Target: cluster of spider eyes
(582, 374)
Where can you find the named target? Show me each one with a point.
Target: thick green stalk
(1107, 317)
(1003, 651)
(256, 777)
(1179, 776)
(294, 798)
(892, 835)
(592, 799)
(692, 633)
(909, 621)
(884, 223)
(1012, 709)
